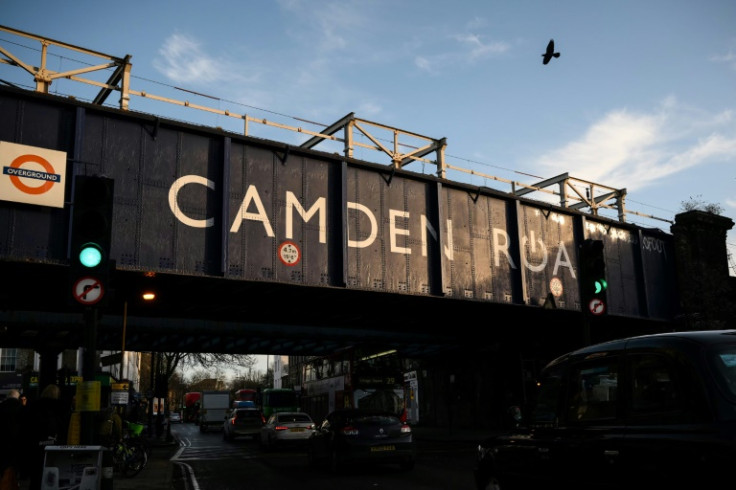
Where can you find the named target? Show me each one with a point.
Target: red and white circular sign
(597, 306)
(88, 290)
(289, 253)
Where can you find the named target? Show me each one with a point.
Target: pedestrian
(46, 423)
(10, 415)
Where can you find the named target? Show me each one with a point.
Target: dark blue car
(362, 436)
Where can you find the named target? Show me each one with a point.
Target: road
(207, 462)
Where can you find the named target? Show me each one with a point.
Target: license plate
(389, 447)
(296, 429)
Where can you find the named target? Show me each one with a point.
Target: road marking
(187, 473)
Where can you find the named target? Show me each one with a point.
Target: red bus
(247, 395)
(191, 406)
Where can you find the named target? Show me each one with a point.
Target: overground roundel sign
(32, 175)
(289, 253)
(88, 290)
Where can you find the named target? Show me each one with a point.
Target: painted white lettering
(319, 206)
(524, 241)
(374, 227)
(449, 245)
(563, 260)
(426, 226)
(501, 247)
(251, 195)
(174, 204)
(393, 230)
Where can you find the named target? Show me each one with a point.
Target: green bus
(278, 400)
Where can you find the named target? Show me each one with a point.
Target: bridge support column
(707, 298)
(49, 360)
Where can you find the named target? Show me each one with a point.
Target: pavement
(160, 470)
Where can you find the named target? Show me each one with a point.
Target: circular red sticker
(289, 253)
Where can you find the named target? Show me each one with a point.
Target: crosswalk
(202, 453)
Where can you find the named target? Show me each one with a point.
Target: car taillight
(232, 421)
(349, 431)
(280, 427)
(263, 419)
(405, 429)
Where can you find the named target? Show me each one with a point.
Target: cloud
(182, 60)
(728, 58)
(424, 64)
(468, 49)
(369, 109)
(331, 27)
(636, 150)
(476, 48)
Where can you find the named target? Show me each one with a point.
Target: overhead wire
(296, 118)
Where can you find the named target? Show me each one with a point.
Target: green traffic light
(90, 255)
(600, 285)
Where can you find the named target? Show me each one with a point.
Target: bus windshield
(279, 400)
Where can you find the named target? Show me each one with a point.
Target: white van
(213, 409)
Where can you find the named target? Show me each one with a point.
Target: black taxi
(654, 411)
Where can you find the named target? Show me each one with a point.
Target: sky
(642, 97)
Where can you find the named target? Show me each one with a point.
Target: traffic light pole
(89, 369)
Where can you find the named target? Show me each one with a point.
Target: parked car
(175, 418)
(362, 436)
(654, 411)
(242, 422)
(287, 429)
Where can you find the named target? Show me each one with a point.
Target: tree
(697, 203)
(157, 372)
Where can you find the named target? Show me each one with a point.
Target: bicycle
(130, 452)
(129, 458)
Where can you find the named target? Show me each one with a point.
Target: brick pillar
(701, 260)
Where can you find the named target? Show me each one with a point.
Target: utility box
(78, 467)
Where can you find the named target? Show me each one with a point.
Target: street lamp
(146, 296)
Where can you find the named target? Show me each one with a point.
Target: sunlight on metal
(380, 354)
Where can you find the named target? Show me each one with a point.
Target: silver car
(286, 429)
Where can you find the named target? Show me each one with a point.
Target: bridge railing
(570, 192)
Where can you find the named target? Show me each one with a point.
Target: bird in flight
(550, 52)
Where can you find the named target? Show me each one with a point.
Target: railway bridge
(255, 246)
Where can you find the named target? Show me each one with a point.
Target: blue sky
(643, 96)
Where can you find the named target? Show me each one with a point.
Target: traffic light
(89, 243)
(593, 283)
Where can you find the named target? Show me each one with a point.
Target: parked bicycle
(129, 458)
(130, 453)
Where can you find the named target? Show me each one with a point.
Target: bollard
(107, 469)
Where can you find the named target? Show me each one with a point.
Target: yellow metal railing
(401, 154)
